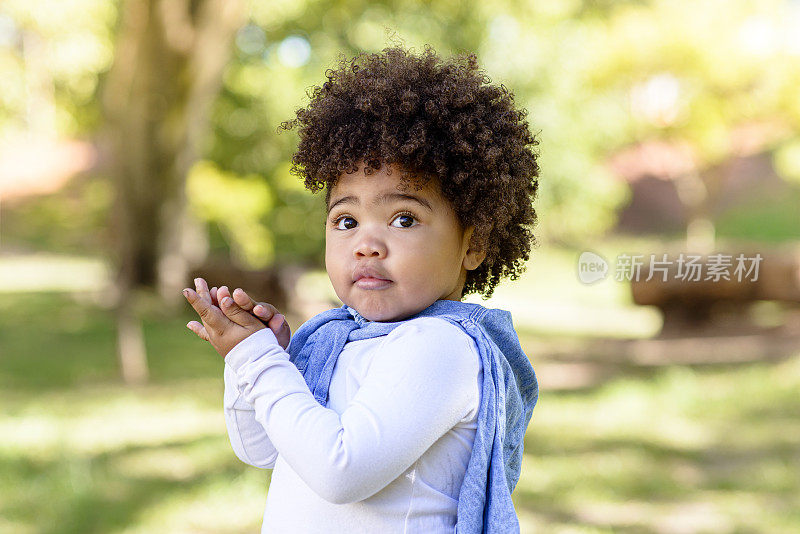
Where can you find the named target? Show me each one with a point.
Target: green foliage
(237, 205)
(594, 76)
(787, 160)
(54, 57)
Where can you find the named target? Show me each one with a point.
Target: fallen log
(719, 283)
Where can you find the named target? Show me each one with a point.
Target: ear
(474, 255)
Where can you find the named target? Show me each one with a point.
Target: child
(405, 409)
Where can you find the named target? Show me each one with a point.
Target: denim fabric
(509, 393)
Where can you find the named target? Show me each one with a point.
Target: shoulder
(434, 336)
(430, 328)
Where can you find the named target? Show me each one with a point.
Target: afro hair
(430, 118)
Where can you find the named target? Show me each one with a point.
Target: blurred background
(139, 149)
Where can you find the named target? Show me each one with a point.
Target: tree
(167, 70)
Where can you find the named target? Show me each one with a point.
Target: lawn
(670, 449)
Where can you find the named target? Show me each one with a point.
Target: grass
(109, 458)
(666, 449)
(684, 450)
(769, 217)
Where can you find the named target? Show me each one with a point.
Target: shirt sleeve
(248, 438)
(420, 384)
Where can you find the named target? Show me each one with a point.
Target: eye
(339, 226)
(405, 218)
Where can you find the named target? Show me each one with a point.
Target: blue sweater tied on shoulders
(509, 393)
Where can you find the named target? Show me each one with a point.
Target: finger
(244, 303)
(222, 292)
(198, 329)
(213, 293)
(265, 311)
(201, 287)
(278, 322)
(281, 329)
(237, 314)
(209, 314)
(243, 299)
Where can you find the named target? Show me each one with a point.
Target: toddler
(405, 409)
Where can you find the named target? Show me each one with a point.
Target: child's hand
(224, 328)
(266, 312)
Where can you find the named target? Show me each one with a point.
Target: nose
(370, 245)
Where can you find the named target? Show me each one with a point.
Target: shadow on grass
(721, 441)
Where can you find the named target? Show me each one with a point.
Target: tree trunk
(167, 71)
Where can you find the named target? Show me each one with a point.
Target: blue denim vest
(510, 391)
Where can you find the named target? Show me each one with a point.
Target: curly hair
(430, 118)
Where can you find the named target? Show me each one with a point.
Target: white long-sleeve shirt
(389, 451)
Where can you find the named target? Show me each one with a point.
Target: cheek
(434, 250)
(336, 261)
(332, 259)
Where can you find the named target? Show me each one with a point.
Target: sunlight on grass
(222, 506)
(52, 272)
(101, 419)
(687, 450)
(114, 447)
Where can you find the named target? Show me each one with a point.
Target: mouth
(369, 282)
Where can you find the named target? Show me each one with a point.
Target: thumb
(281, 329)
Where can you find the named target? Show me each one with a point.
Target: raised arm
(421, 383)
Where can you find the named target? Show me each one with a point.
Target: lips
(372, 283)
(368, 277)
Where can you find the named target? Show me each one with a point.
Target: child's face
(415, 254)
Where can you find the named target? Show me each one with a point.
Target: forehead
(384, 186)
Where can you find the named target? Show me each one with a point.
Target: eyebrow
(382, 199)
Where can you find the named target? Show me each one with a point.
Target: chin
(382, 316)
(378, 313)
(386, 315)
